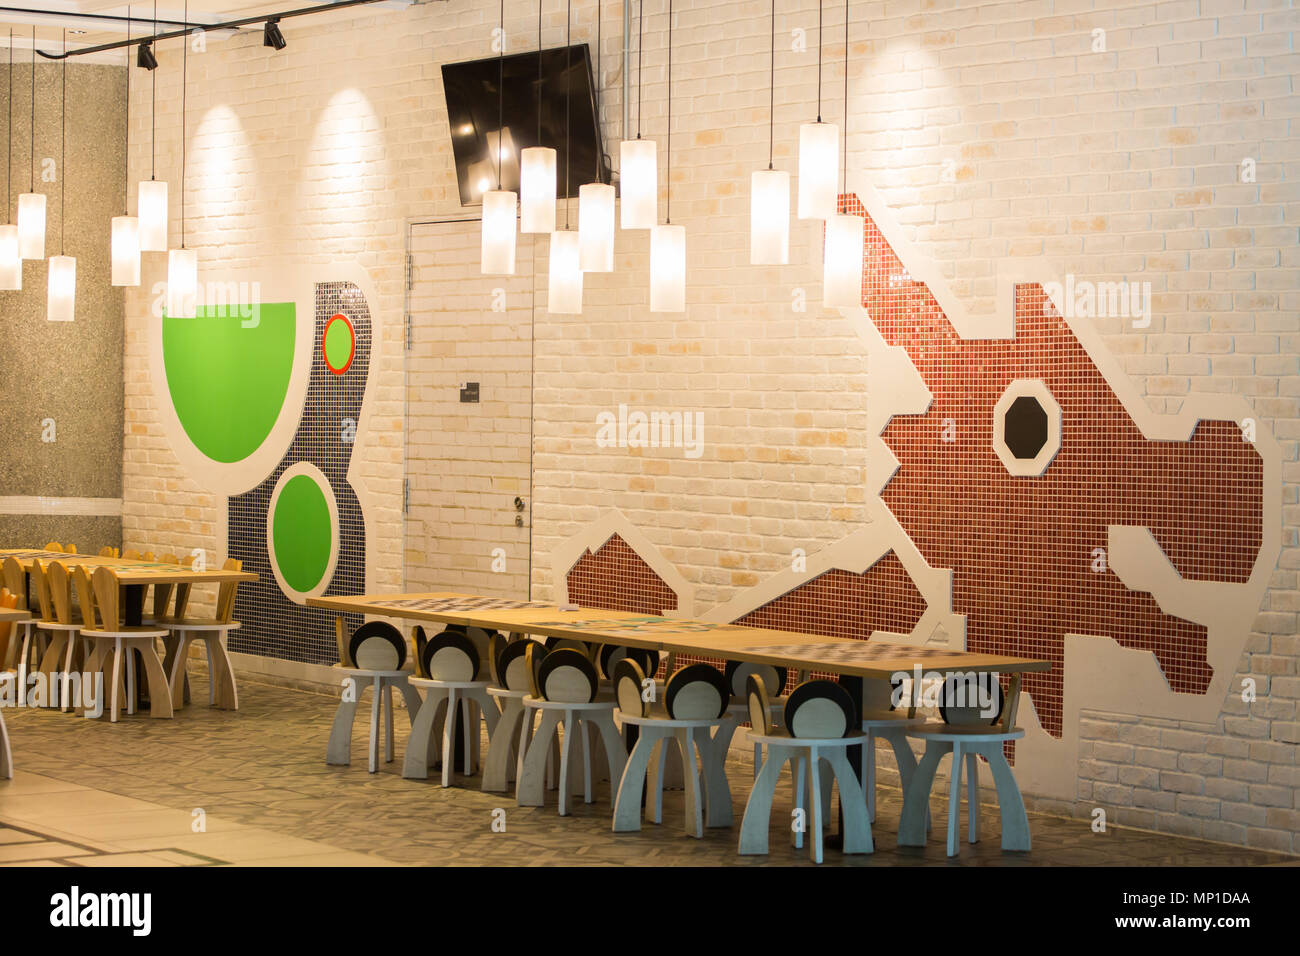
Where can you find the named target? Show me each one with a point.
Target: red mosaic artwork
(616, 578)
(1022, 548)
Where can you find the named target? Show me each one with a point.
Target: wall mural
(1028, 501)
(265, 407)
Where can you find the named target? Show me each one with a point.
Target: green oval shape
(339, 345)
(301, 533)
(228, 374)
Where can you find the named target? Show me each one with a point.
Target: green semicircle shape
(301, 533)
(228, 375)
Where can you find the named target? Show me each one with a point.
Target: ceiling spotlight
(144, 57)
(272, 37)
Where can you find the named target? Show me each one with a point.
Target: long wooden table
(134, 576)
(801, 651)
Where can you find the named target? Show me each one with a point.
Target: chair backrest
(85, 595)
(147, 556)
(162, 591)
(820, 709)
(738, 673)
(629, 684)
(377, 646)
(107, 598)
(183, 590)
(226, 592)
(42, 588)
(15, 580)
(514, 671)
(697, 692)
(568, 676)
(54, 546)
(131, 554)
(759, 704)
(7, 600)
(496, 644)
(59, 583)
(108, 551)
(69, 549)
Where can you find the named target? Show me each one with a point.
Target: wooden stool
(382, 683)
(824, 733)
(54, 594)
(693, 714)
(737, 674)
(113, 641)
(512, 685)
(222, 692)
(565, 692)
(436, 721)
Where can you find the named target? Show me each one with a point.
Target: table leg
(133, 604)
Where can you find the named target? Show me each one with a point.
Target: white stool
(708, 800)
(964, 741)
(437, 720)
(891, 727)
(577, 718)
(382, 682)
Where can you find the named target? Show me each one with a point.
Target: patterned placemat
(856, 652)
(454, 605)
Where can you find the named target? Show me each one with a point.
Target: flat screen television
(476, 113)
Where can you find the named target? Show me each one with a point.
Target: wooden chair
(820, 720)
(565, 692)
(213, 632)
(8, 602)
(454, 675)
(968, 731)
(510, 685)
(18, 647)
(108, 551)
(692, 714)
(130, 554)
(383, 680)
(113, 642)
(55, 547)
(737, 675)
(66, 649)
(35, 641)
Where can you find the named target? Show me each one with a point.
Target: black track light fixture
(272, 37)
(144, 57)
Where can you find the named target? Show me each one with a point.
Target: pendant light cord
(818, 60)
(185, 74)
(568, 79)
(153, 110)
(501, 96)
(844, 134)
(668, 218)
(600, 162)
(771, 101)
(33, 142)
(63, 159)
(640, 42)
(126, 139)
(9, 156)
(539, 72)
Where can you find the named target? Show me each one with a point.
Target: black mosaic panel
(272, 625)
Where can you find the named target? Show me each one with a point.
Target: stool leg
(758, 809)
(415, 764)
(758, 758)
(449, 736)
(584, 741)
(528, 792)
(566, 750)
(869, 777)
(627, 804)
(800, 798)
(691, 783)
(387, 689)
(117, 676)
(954, 798)
(6, 753)
(412, 698)
(905, 757)
(375, 693)
(972, 798)
(655, 807)
(717, 790)
(501, 741)
(857, 826)
(615, 752)
(916, 801)
(1015, 823)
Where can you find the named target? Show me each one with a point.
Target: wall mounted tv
(472, 107)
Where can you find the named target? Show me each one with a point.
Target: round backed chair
(25, 651)
(974, 724)
(374, 656)
(511, 683)
(565, 692)
(882, 721)
(820, 727)
(693, 713)
(453, 672)
(737, 676)
(66, 649)
(114, 641)
(213, 632)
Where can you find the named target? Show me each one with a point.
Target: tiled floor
(252, 787)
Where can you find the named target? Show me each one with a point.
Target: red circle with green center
(339, 344)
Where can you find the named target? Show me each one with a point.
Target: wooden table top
(130, 572)
(8, 614)
(732, 641)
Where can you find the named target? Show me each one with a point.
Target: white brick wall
(993, 132)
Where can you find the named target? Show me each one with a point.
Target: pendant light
(125, 236)
(499, 205)
(31, 205)
(564, 291)
(769, 192)
(537, 167)
(61, 300)
(151, 199)
(596, 200)
(842, 268)
(817, 154)
(668, 242)
(11, 260)
(182, 263)
(638, 164)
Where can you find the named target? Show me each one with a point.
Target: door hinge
(406, 496)
(410, 332)
(410, 272)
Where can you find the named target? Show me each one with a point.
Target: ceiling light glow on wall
(668, 269)
(818, 169)
(126, 250)
(537, 190)
(61, 300)
(182, 284)
(499, 239)
(564, 294)
(596, 226)
(842, 267)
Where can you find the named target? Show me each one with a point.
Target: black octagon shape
(1025, 428)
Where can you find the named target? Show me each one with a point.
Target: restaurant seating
(114, 641)
(820, 720)
(108, 551)
(213, 632)
(20, 656)
(383, 673)
(455, 679)
(968, 731)
(565, 692)
(510, 685)
(53, 585)
(694, 709)
(880, 721)
(737, 674)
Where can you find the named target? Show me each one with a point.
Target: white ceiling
(56, 15)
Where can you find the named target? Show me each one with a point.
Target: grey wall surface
(69, 372)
